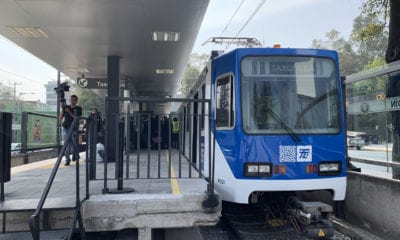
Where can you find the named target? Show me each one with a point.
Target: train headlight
(329, 168)
(251, 169)
(257, 169)
(264, 169)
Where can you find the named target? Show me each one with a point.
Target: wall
(373, 204)
(21, 158)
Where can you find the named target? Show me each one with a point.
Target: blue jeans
(70, 147)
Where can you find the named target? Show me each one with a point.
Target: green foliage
(367, 43)
(189, 77)
(192, 71)
(369, 38)
(6, 91)
(376, 62)
(348, 59)
(6, 96)
(379, 8)
(371, 22)
(88, 99)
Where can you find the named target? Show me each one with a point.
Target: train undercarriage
(279, 216)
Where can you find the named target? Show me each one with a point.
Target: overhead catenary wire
(19, 76)
(230, 20)
(251, 17)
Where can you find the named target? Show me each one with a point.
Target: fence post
(211, 203)
(5, 150)
(91, 141)
(24, 136)
(119, 163)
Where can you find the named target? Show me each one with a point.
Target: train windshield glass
(301, 91)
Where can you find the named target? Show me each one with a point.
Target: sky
(291, 23)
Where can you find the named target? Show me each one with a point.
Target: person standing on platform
(68, 113)
(164, 132)
(175, 133)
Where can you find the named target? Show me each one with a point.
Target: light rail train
(278, 122)
(277, 116)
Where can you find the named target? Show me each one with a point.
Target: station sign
(394, 103)
(374, 106)
(98, 83)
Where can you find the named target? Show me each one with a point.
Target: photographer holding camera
(68, 113)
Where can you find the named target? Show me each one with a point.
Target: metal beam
(112, 116)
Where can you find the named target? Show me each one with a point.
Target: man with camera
(68, 113)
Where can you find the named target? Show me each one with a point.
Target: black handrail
(34, 222)
(145, 124)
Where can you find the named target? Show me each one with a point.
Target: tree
(368, 42)
(393, 49)
(6, 97)
(387, 11)
(192, 71)
(348, 58)
(88, 99)
(369, 37)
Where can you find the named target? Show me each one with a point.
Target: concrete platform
(157, 202)
(155, 210)
(45, 235)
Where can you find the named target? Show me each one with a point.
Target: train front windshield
(281, 92)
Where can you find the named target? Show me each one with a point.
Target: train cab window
(224, 102)
(299, 91)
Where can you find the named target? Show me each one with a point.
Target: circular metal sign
(364, 107)
(82, 82)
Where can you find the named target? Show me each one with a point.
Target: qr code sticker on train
(287, 153)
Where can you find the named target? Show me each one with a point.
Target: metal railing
(71, 139)
(375, 162)
(147, 138)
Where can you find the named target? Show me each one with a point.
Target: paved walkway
(379, 147)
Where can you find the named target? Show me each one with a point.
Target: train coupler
(311, 218)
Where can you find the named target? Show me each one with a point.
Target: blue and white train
(279, 122)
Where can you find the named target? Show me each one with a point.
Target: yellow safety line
(174, 182)
(61, 165)
(31, 166)
(44, 164)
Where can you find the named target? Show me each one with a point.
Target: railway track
(252, 222)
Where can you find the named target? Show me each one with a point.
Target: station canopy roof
(154, 38)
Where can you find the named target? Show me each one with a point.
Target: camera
(60, 90)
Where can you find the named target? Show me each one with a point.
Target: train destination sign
(98, 83)
(285, 67)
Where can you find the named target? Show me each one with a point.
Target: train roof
(282, 51)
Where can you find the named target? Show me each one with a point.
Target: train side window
(224, 102)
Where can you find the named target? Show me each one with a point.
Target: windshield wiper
(291, 133)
